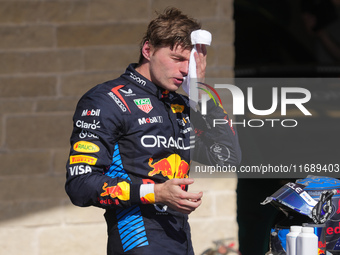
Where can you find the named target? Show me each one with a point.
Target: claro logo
(86, 147)
(82, 124)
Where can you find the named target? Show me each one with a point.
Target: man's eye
(179, 59)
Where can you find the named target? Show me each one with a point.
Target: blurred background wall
(51, 52)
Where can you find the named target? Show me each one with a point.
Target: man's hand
(201, 64)
(171, 194)
(201, 61)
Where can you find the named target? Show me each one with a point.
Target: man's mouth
(178, 81)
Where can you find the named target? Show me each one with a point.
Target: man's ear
(146, 50)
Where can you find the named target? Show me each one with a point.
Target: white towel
(189, 84)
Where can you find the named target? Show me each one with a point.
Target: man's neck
(144, 70)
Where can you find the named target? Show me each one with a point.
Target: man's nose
(184, 68)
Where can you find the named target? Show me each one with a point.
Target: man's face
(168, 67)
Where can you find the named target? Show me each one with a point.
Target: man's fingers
(201, 57)
(184, 181)
(198, 197)
(187, 206)
(171, 194)
(191, 196)
(201, 48)
(185, 194)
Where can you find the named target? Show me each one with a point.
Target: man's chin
(171, 87)
(174, 87)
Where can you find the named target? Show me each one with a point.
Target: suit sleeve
(97, 126)
(216, 141)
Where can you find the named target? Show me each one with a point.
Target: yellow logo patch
(177, 108)
(86, 147)
(83, 159)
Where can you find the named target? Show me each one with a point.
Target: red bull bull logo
(171, 167)
(121, 191)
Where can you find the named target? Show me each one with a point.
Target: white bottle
(291, 240)
(307, 242)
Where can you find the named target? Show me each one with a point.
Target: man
(131, 145)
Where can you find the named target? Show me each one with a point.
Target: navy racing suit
(129, 133)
